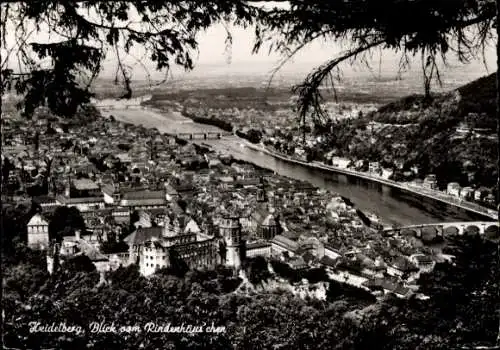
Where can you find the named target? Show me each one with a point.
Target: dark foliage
(344, 291)
(463, 308)
(79, 263)
(14, 229)
(64, 221)
(167, 32)
(479, 97)
(112, 247)
(460, 312)
(222, 124)
(257, 270)
(254, 136)
(286, 271)
(430, 28)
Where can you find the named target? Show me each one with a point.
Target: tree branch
(308, 91)
(288, 57)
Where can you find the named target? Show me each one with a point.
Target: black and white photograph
(250, 174)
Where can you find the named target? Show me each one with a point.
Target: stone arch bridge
(489, 229)
(203, 136)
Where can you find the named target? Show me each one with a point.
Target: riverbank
(408, 187)
(416, 190)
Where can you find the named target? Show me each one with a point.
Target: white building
(38, 232)
(467, 193)
(374, 167)
(154, 256)
(453, 189)
(230, 230)
(281, 244)
(430, 182)
(331, 253)
(154, 248)
(258, 249)
(423, 262)
(82, 204)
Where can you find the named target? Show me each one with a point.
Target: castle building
(153, 248)
(38, 232)
(180, 239)
(158, 253)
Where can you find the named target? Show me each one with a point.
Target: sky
(212, 52)
(213, 58)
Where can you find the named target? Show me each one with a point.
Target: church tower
(230, 232)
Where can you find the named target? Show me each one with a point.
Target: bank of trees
(76, 296)
(252, 135)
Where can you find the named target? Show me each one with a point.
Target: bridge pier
(482, 229)
(418, 231)
(452, 228)
(201, 136)
(440, 231)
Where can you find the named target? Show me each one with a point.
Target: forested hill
(477, 97)
(451, 135)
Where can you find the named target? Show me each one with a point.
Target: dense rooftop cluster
(133, 185)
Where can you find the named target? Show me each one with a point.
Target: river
(392, 205)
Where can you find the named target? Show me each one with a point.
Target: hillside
(451, 135)
(479, 97)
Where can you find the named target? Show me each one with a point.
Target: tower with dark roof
(270, 226)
